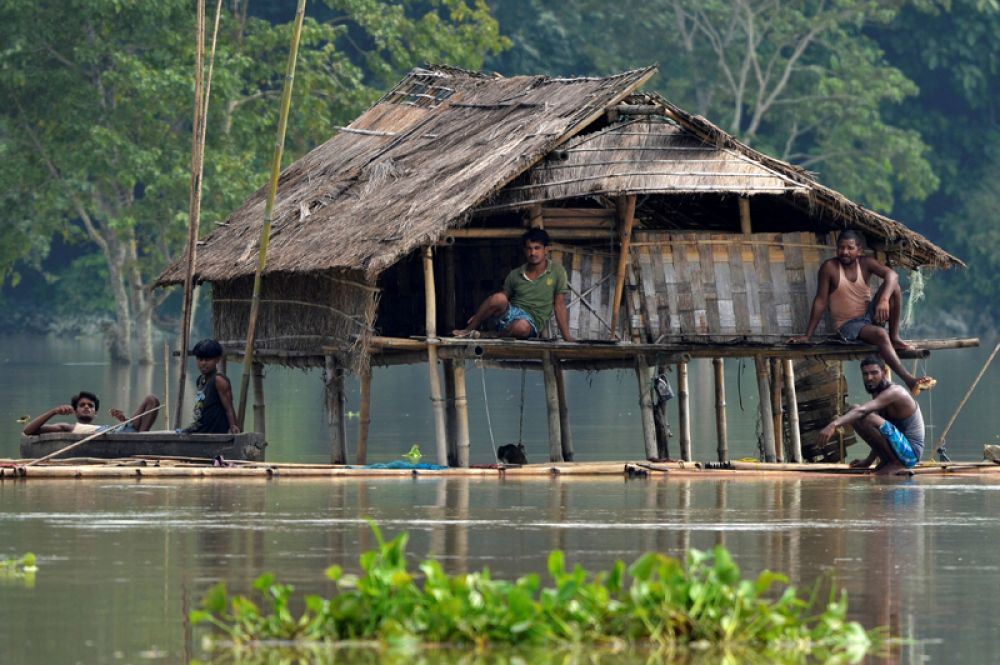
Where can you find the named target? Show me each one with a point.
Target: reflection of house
(678, 239)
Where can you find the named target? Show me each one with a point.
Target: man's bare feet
(889, 469)
(900, 345)
(471, 334)
(922, 383)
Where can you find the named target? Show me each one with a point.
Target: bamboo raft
(138, 467)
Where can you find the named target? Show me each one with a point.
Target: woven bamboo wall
(716, 287)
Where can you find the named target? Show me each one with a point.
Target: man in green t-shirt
(530, 294)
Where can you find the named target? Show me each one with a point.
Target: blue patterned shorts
(515, 313)
(899, 444)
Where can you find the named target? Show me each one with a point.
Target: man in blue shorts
(530, 294)
(891, 423)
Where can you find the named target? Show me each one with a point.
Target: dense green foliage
(656, 603)
(95, 138)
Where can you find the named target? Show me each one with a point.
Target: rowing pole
(940, 443)
(92, 437)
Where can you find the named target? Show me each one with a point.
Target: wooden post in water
(660, 420)
(450, 414)
(437, 399)
(792, 407)
(721, 429)
(626, 218)
(552, 408)
(764, 394)
(644, 374)
(333, 382)
(462, 444)
(364, 415)
(779, 430)
(565, 434)
(259, 423)
(683, 411)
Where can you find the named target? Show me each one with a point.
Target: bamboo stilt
(437, 398)
(166, 385)
(645, 374)
(265, 231)
(767, 423)
(778, 418)
(683, 411)
(792, 406)
(626, 218)
(364, 416)
(333, 379)
(552, 409)
(259, 424)
(721, 428)
(450, 413)
(565, 433)
(462, 443)
(745, 226)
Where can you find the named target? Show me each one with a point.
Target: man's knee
(499, 299)
(520, 329)
(151, 400)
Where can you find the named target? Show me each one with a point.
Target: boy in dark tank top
(213, 401)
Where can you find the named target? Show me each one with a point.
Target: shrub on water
(656, 603)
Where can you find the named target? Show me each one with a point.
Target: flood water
(122, 563)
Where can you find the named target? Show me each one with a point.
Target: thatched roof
(648, 155)
(913, 248)
(415, 164)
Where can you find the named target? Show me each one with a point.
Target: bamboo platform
(137, 468)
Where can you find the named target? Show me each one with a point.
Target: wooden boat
(247, 446)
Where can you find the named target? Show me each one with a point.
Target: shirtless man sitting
(843, 284)
(891, 423)
(84, 406)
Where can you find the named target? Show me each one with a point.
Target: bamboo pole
(565, 433)
(552, 409)
(259, 424)
(968, 394)
(166, 385)
(792, 406)
(333, 380)
(625, 206)
(461, 415)
(437, 399)
(272, 190)
(450, 412)
(764, 394)
(721, 428)
(745, 226)
(777, 417)
(364, 415)
(645, 375)
(683, 412)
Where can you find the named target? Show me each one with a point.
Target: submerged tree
(96, 129)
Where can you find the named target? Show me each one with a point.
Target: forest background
(891, 102)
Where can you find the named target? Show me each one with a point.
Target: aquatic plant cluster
(21, 569)
(657, 602)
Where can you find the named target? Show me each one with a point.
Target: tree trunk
(141, 304)
(120, 336)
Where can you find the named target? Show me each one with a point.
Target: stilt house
(679, 240)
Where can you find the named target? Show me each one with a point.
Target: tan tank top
(850, 299)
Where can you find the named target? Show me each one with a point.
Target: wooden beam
(721, 428)
(514, 233)
(745, 226)
(259, 423)
(792, 407)
(552, 409)
(777, 369)
(626, 218)
(683, 411)
(764, 395)
(333, 380)
(437, 397)
(565, 433)
(644, 375)
(364, 416)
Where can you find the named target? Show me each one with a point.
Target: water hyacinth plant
(657, 603)
(21, 570)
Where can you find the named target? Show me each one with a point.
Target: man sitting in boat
(213, 401)
(530, 294)
(843, 284)
(84, 406)
(891, 423)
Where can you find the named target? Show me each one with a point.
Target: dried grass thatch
(648, 155)
(437, 145)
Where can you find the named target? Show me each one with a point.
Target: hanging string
(486, 403)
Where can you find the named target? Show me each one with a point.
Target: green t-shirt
(535, 297)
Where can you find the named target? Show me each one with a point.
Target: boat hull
(247, 446)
